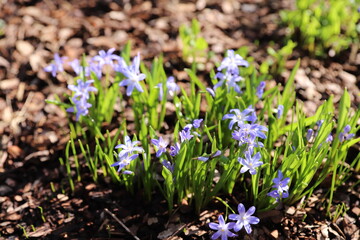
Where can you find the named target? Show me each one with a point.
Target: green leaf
(343, 111)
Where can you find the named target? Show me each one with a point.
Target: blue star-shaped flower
(223, 229)
(133, 76)
(250, 163)
(244, 218)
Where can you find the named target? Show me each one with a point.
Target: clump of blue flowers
(207, 155)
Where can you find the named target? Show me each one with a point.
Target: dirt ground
(34, 195)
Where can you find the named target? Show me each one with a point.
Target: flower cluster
(345, 135)
(281, 188)
(96, 64)
(243, 220)
(246, 132)
(312, 134)
(160, 147)
(132, 76)
(230, 78)
(81, 96)
(186, 134)
(161, 144)
(129, 152)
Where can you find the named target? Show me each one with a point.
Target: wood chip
(8, 84)
(25, 48)
(356, 211)
(36, 61)
(15, 151)
(291, 210)
(90, 186)
(13, 217)
(102, 41)
(18, 198)
(152, 221)
(41, 231)
(117, 15)
(10, 230)
(275, 234)
(62, 197)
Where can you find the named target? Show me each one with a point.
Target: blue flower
(82, 89)
(244, 218)
(232, 62)
(210, 91)
(79, 69)
(203, 158)
(133, 76)
(120, 65)
(197, 122)
(56, 66)
(129, 147)
(345, 134)
(250, 163)
(230, 80)
(247, 133)
(329, 138)
(280, 111)
(239, 117)
(95, 68)
(281, 187)
(168, 165)
(80, 97)
(124, 161)
(309, 134)
(319, 123)
(253, 131)
(174, 150)
(206, 158)
(172, 88)
(280, 183)
(185, 134)
(161, 145)
(253, 144)
(260, 89)
(106, 57)
(81, 108)
(223, 229)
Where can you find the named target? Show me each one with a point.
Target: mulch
(34, 194)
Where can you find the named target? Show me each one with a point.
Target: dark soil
(34, 194)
